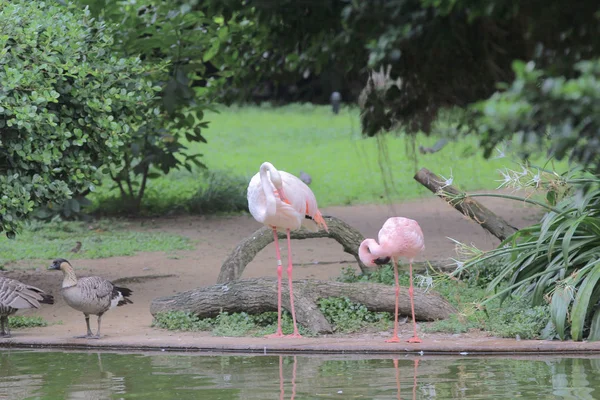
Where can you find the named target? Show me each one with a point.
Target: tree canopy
(440, 53)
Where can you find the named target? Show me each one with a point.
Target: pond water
(92, 375)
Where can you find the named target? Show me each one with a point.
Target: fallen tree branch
(259, 295)
(245, 252)
(476, 211)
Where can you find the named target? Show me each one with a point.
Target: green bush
(222, 193)
(67, 105)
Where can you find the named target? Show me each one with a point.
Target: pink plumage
(282, 201)
(398, 237)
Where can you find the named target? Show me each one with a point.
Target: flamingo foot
(394, 339)
(293, 336)
(414, 339)
(275, 335)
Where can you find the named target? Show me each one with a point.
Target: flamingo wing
(303, 200)
(280, 214)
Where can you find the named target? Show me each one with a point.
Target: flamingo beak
(382, 260)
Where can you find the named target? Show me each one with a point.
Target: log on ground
(246, 250)
(260, 295)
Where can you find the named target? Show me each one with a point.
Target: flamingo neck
(267, 187)
(368, 250)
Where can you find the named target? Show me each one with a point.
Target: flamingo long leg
(296, 333)
(411, 292)
(279, 332)
(395, 338)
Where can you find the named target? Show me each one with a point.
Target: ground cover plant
(104, 238)
(512, 318)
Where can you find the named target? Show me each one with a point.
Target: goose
(15, 295)
(90, 295)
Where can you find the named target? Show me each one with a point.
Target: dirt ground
(215, 237)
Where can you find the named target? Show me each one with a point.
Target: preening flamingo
(399, 237)
(281, 201)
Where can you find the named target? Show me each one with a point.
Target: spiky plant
(556, 260)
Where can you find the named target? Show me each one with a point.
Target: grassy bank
(345, 167)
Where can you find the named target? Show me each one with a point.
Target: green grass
(345, 167)
(105, 238)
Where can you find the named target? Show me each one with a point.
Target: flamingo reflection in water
(414, 389)
(281, 380)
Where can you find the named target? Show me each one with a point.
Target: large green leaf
(582, 301)
(559, 309)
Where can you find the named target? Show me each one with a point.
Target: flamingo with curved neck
(282, 201)
(399, 237)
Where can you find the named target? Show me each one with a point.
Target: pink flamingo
(281, 201)
(399, 237)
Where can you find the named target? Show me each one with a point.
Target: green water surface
(92, 375)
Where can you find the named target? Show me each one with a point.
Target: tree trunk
(234, 265)
(260, 295)
(489, 221)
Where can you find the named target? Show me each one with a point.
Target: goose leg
(89, 331)
(5, 332)
(98, 333)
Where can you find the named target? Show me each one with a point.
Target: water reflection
(81, 375)
(281, 379)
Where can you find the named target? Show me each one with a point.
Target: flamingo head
(370, 254)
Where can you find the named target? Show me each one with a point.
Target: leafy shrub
(182, 40)
(67, 105)
(540, 105)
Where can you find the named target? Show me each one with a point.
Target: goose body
(14, 296)
(91, 295)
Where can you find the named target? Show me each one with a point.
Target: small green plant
(236, 324)
(511, 318)
(384, 275)
(346, 316)
(181, 321)
(21, 321)
(228, 324)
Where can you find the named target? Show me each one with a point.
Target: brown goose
(90, 295)
(15, 295)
